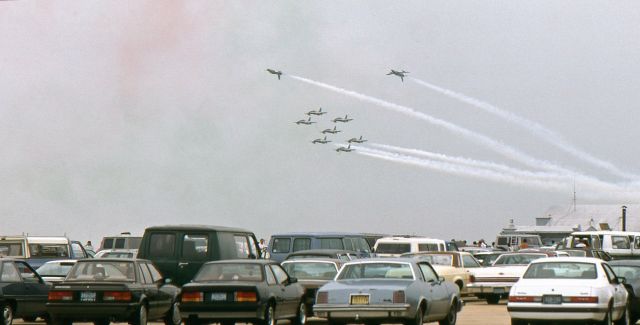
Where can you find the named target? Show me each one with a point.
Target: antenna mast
(574, 194)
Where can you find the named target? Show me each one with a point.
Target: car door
(288, 292)
(161, 248)
(13, 288)
(437, 292)
(149, 289)
(619, 291)
(36, 290)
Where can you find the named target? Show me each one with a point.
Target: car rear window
(229, 272)
(393, 248)
(102, 271)
(311, 270)
(376, 271)
(561, 270)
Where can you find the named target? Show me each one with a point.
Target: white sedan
(569, 288)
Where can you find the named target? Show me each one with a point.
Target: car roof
(48, 240)
(244, 261)
(318, 234)
(568, 259)
(196, 228)
(404, 240)
(313, 260)
(624, 262)
(385, 260)
(322, 252)
(111, 259)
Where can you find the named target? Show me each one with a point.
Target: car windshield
(55, 268)
(102, 271)
(487, 259)
(376, 271)
(561, 270)
(11, 249)
(229, 272)
(629, 272)
(437, 259)
(311, 270)
(517, 259)
(49, 250)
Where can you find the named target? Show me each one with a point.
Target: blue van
(281, 245)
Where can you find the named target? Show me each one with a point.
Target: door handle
(183, 264)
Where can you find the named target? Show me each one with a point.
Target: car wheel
(452, 316)
(173, 317)
(519, 322)
(607, 318)
(101, 322)
(29, 319)
(269, 315)
(7, 314)
(301, 316)
(493, 299)
(418, 319)
(141, 317)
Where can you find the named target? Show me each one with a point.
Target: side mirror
(441, 278)
(621, 280)
(167, 280)
(293, 280)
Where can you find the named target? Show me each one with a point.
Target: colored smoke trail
(535, 128)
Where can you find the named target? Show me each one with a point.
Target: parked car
(569, 288)
(630, 271)
(123, 241)
(117, 253)
(387, 291)
(257, 291)
(396, 246)
(120, 290)
(37, 250)
(455, 267)
(281, 245)
(180, 251)
(339, 254)
(55, 271)
(312, 273)
(23, 293)
(494, 282)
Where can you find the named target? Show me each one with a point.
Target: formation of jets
(272, 71)
(400, 74)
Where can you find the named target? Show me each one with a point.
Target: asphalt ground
(476, 312)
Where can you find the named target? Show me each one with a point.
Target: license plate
(498, 290)
(552, 299)
(359, 299)
(87, 296)
(219, 296)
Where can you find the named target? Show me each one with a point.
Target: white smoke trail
(535, 128)
(503, 149)
(591, 190)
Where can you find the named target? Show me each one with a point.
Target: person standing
(88, 246)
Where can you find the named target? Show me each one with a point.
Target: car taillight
(322, 298)
(472, 278)
(246, 296)
(398, 297)
(583, 300)
(116, 296)
(192, 297)
(522, 299)
(60, 295)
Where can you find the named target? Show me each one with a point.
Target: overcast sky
(118, 115)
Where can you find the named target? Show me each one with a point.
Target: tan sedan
(455, 267)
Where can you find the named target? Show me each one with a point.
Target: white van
(395, 246)
(513, 242)
(619, 244)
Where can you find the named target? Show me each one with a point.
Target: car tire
(173, 316)
(493, 299)
(141, 316)
(418, 319)
(452, 316)
(607, 318)
(301, 315)
(29, 319)
(519, 322)
(7, 314)
(269, 315)
(101, 322)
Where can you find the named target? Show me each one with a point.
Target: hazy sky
(118, 115)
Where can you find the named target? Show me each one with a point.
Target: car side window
(242, 246)
(26, 273)
(162, 245)
(271, 279)
(609, 272)
(281, 275)
(428, 272)
(281, 245)
(155, 274)
(195, 246)
(9, 273)
(300, 244)
(146, 275)
(468, 261)
(77, 250)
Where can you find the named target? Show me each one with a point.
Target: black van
(179, 251)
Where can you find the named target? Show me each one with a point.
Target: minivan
(179, 251)
(281, 245)
(396, 246)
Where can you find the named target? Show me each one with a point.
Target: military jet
(345, 149)
(322, 141)
(400, 74)
(332, 131)
(305, 122)
(357, 140)
(318, 112)
(271, 71)
(343, 120)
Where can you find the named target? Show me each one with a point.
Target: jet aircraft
(345, 149)
(305, 122)
(400, 74)
(318, 112)
(322, 141)
(357, 140)
(343, 120)
(271, 71)
(332, 131)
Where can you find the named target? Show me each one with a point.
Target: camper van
(513, 242)
(619, 244)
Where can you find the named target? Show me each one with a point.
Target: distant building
(560, 221)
